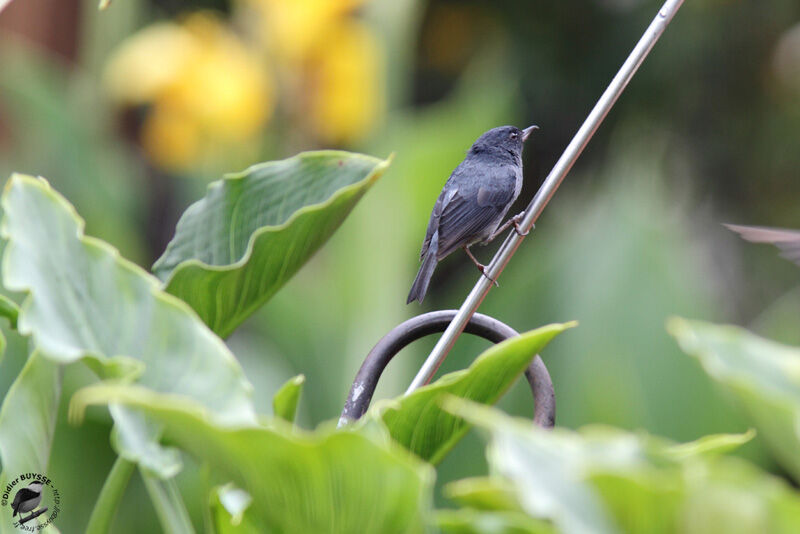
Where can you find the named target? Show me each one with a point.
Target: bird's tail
(420, 285)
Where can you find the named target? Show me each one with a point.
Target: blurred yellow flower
(170, 140)
(147, 62)
(292, 27)
(206, 87)
(345, 93)
(209, 90)
(332, 61)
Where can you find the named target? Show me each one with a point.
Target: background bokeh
(131, 111)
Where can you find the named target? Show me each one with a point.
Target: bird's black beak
(528, 131)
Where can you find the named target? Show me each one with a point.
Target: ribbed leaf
(252, 231)
(325, 481)
(85, 301)
(418, 422)
(763, 375)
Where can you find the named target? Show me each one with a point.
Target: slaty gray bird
(474, 201)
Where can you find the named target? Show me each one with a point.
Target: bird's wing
(788, 241)
(445, 197)
(23, 495)
(472, 211)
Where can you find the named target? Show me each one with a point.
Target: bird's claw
(483, 272)
(516, 220)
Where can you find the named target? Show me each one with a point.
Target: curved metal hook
(366, 380)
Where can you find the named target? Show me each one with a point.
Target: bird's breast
(518, 185)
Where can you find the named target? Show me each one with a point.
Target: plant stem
(167, 501)
(110, 495)
(546, 192)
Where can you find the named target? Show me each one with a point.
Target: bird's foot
(483, 269)
(515, 220)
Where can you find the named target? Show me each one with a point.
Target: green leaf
(229, 505)
(284, 403)
(764, 376)
(607, 480)
(546, 473)
(325, 481)
(252, 231)
(27, 423)
(418, 422)
(483, 493)
(85, 301)
(713, 444)
(468, 521)
(9, 310)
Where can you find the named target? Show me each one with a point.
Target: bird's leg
(481, 267)
(515, 220)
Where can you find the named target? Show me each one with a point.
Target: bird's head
(35, 486)
(503, 139)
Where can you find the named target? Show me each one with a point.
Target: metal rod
(545, 193)
(366, 380)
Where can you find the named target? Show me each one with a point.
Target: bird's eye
(514, 135)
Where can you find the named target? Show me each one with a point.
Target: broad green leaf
(325, 481)
(418, 422)
(253, 230)
(764, 376)
(606, 480)
(546, 473)
(85, 301)
(27, 424)
(284, 403)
